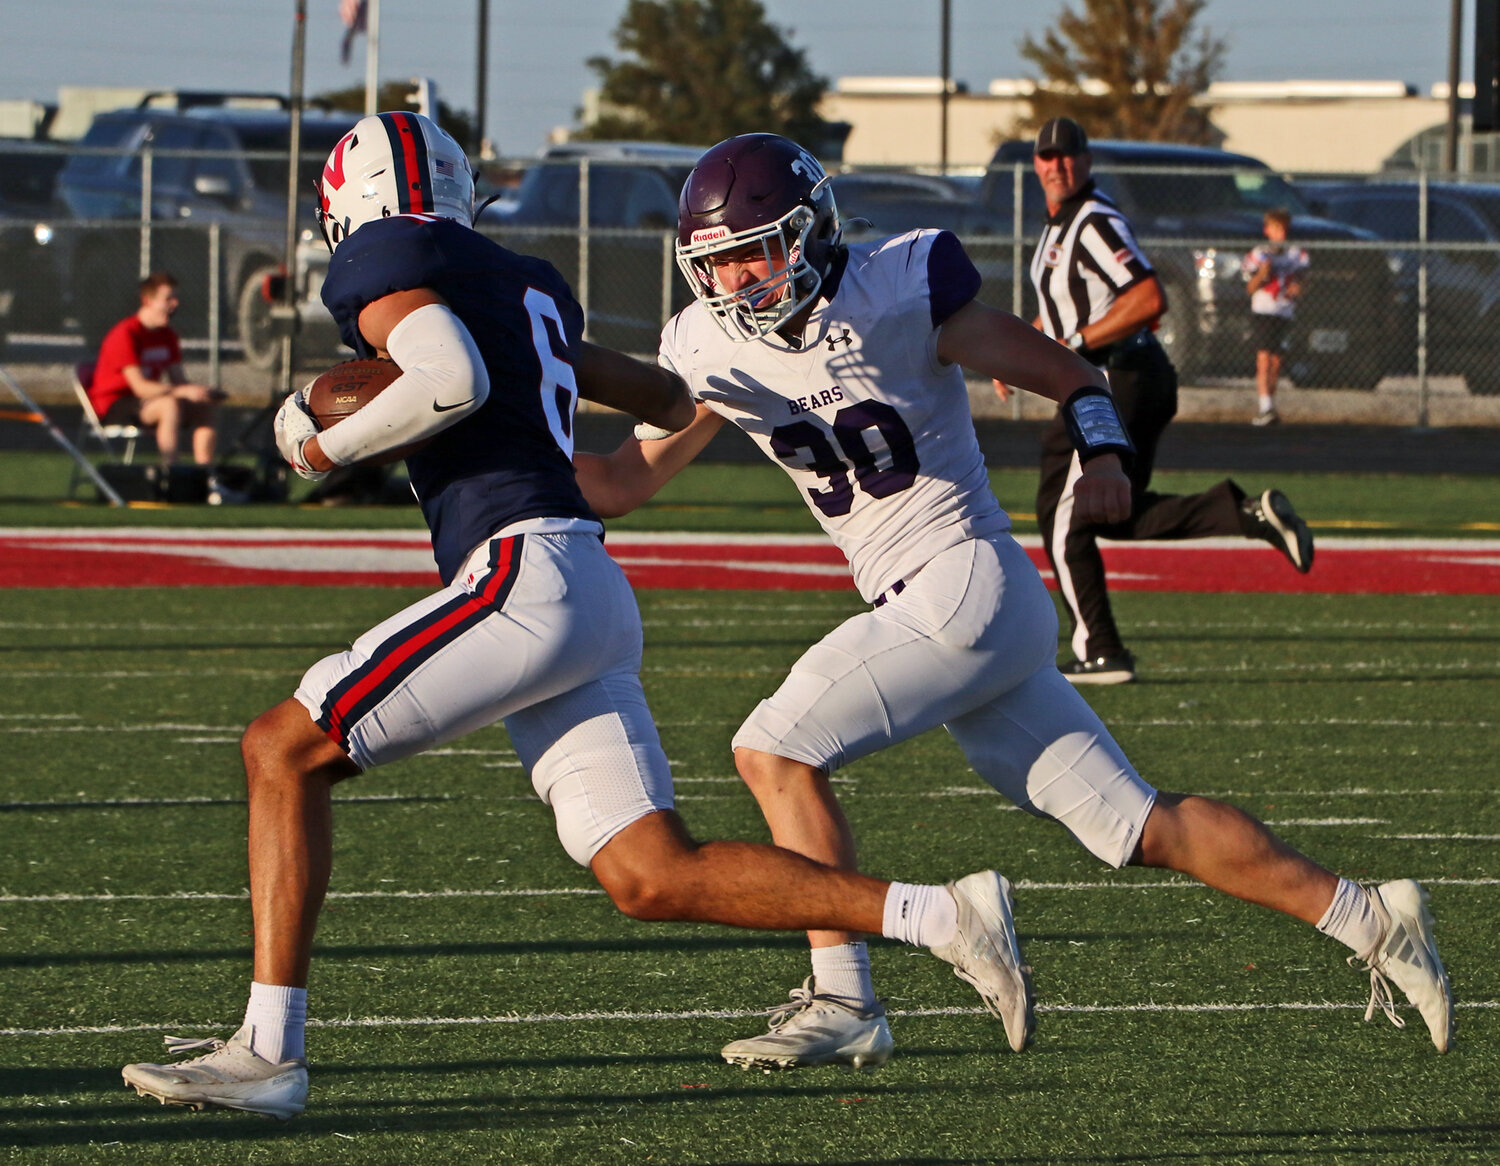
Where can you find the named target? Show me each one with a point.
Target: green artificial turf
(487, 1025)
(760, 498)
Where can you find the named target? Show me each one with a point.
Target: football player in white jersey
(843, 364)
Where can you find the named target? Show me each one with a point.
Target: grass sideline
(759, 498)
(1176, 1025)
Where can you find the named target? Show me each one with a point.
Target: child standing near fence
(1275, 271)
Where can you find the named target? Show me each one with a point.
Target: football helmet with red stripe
(395, 163)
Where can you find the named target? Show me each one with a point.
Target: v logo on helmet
(333, 169)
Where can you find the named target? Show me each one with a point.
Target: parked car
(878, 203)
(1197, 211)
(210, 164)
(30, 290)
(1463, 282)
(632, 284)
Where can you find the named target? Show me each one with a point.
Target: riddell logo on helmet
(710, 234)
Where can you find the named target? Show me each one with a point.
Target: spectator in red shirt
(139, 379)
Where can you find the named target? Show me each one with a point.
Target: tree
(394, 95)
(1132, 71)
(705, 70)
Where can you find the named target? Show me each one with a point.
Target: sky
(538, 48)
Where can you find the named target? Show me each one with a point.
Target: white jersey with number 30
(870, 424)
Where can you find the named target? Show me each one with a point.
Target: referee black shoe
(1100, 670)
(1272, 518)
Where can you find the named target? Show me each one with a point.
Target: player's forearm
(645, 391)
(1007, 349)
(617, 483)
(443, 379)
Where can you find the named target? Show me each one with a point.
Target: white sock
(1351, 918)
(1267, 404)
(279, 1017)
(844, 971)
(920, 913)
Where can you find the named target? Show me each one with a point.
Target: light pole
(1455, 34)
(480, 69)
(947, 69)
(287, 310)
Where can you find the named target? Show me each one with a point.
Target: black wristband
(1094, 424)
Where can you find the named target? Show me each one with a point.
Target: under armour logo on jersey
(835, 341)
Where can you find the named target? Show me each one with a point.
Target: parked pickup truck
(210, 164)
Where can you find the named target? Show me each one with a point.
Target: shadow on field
(141, 1122)
(125, 1119)
(736, 941)
(1258, 675)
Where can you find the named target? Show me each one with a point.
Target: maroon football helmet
(751, 190)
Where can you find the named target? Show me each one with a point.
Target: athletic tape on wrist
(1094, 424)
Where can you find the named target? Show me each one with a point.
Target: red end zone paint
(215, 558)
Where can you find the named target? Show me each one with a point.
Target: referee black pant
(1145, 392)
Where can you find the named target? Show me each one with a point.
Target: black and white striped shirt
(1087, 256)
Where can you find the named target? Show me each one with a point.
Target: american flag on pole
(354, 14)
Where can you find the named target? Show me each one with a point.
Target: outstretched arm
(617, 483)
(1009, 350)
(649, 392)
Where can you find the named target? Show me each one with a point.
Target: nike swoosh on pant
(436, 408)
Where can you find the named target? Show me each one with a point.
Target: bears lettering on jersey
(814, 401)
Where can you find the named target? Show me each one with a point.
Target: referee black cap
(1061, 135)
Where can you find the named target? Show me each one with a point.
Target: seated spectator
(138, 379)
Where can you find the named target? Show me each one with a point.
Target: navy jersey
(512, 458)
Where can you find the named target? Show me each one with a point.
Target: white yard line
(952, 791)
(711, 1014)
(135, 803)
(536, 892)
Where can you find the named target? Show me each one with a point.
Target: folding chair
(89, 425)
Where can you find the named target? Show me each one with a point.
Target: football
(347, 388)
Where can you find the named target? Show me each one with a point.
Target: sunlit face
(1061, 175)
(158, 305)
(744, 267)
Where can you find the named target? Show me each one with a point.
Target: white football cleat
(986, 953)
(229, 1076)
(816, 1030)
(1407, 954)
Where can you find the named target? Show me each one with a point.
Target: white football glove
(645, 431)
(293, 426)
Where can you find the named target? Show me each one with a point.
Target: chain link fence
(1402, 289)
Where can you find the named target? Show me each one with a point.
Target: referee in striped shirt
(1099, 295)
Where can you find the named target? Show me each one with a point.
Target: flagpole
(288, 309)
(372, 57)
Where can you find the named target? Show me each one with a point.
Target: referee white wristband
(1076, 342)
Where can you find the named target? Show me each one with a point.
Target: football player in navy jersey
(843, 364)
(535, 623)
